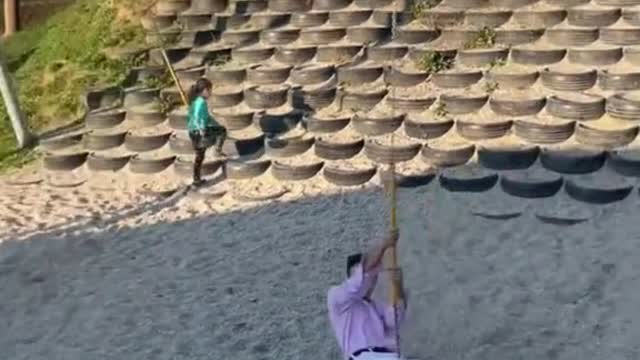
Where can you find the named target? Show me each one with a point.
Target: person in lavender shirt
(366, 329)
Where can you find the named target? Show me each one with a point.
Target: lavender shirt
(359, 323)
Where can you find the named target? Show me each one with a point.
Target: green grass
(54, 63)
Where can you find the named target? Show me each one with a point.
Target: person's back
(364, 328)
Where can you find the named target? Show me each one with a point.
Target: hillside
(55, 62)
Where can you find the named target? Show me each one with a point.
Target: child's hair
(196, 89)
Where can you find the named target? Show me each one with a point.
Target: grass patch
(55, 63)
(434, 62)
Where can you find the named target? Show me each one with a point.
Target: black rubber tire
(267, 75)
(483, 131)
(590, 17)
(511, 107)
(252, 55)
(574, 161)
(337, 151)
(368, 34)
(234, 37)
(245, 197)
(620, 107)
(137, 96)
(619, 81)
(308, 19)
(351, 177)
(104, 163)
(481, 57)
(279, 123)
(244, 147)
(559, 221)
(426, 130)
(362, 101)
(142, 143)
(467, 179)
(310, 100)
(287, 6)
(411, 105)
(239, 170)
(288, 147)
(354, 76)
(528, 56)
(329, 125)
(298, 55)
(331, 4)
(410, 181)
(513, 80)
(583, 192)
(489, 216)
(456, 104)
(310, 75)
(574, 110)
(588, 135)
(227, 99)
(624, 163)
(268, 20)
(395, 77)
(284, 172)
(456, 80)
(595, 56)
(96, 120)
(104, 98)
(386, 53)
(235, 121)
(139, 165)
(265, 99)
(415, 36)
(386, 154)
(543, 133)
(563, 81)
(64, 162)
(321, 36)
(145, 118)
(224, 77)
(279, 37)
(184, 168)
(530, 185)
(376, 126)
(514, 37)
(572, 37)
(97, 141)
(60, 142)
(329, 53)
(447, 158)
(181, 144)
(514, 158)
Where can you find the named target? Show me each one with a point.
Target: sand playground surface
(116, 274)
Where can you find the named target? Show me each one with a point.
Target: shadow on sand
(252, 284)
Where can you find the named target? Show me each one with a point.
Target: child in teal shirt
(201, 125)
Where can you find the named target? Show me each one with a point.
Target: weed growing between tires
(54, 64)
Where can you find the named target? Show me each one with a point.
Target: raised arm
(362, 277)
(394, 315)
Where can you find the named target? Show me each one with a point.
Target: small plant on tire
(434, 62)
(484, 39)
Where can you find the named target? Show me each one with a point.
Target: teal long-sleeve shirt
(199, 117)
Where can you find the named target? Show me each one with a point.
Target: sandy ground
(182, 279)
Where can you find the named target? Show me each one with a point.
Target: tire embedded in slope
(598, 189)
(572, 161)
(98, 162)
(288, 172)
(348, 177)
(508, 158)
(531, 184)
(467, 179)
(625, 163)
